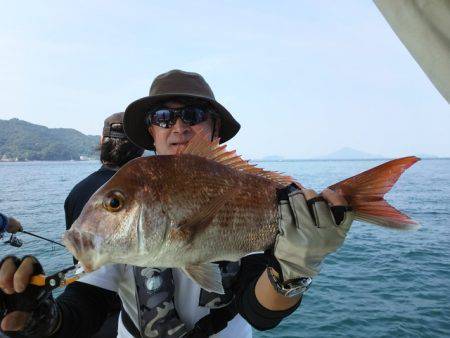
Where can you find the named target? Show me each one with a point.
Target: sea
(381, 283)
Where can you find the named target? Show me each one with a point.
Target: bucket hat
(171, 85)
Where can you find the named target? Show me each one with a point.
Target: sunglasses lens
(193, 115)
(162, 118)
(166, 118)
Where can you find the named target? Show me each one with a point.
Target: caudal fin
(364, 192)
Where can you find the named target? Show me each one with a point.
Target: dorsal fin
(199, 145)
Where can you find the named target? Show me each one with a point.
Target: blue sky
(304, 78)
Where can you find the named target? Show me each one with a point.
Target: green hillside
(27, 141)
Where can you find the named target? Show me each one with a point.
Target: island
(25, 141)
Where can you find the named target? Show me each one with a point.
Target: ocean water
(381, 283)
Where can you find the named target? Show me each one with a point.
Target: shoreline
(50, 161)
(253, 160)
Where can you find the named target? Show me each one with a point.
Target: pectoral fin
(206, 275)
(202, 218)
(205, 215)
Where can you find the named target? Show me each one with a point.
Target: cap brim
(135, 126)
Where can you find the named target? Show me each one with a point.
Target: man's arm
(83, 308)
(260, 303)
(32, 311)
(3, 223)
(249, 300)
(269, 298)
(9, 224)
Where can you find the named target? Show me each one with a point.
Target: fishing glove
(38, 301)
(308, 232)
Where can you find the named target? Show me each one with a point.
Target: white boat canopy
(423, 26)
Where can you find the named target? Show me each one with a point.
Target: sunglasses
(190, 115)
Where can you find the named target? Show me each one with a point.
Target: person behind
(260, 290)
(115, 151)
(9, 224)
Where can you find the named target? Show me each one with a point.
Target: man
(261, 290)
(115, 150)
(9, 224)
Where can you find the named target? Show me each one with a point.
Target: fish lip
(86, 267)
(84, 246)
(88, 263)
(70, 247)
(70, 243)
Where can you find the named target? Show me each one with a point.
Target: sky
(304, 78)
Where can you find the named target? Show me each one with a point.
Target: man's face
(168, 140)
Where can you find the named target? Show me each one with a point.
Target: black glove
(37, 300)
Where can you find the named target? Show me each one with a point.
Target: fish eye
(114, 201)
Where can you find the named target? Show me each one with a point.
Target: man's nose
(180, 126)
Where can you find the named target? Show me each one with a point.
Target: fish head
(122, 222)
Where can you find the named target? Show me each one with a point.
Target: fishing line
(46, 239)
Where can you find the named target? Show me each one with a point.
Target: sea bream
(203, 205)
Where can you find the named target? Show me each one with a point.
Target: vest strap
(128, 323)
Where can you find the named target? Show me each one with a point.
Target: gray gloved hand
(308, 233)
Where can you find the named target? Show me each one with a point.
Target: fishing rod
(45, 239)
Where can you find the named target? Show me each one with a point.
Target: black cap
(117, 132)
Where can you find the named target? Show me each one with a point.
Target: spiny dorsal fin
(199, 145)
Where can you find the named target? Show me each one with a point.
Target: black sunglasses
(191, 115)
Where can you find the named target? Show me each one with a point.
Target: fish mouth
(85, 247)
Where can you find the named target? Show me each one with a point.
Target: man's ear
(150, 130)
(101, 139)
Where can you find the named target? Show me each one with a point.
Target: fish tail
(365, 194)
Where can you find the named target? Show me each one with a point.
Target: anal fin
(206, 275)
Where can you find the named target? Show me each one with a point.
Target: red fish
(203, 205)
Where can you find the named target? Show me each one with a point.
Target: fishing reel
(14, 241)
(17, 242)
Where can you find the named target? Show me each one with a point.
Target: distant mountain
(23, 141)
(350, 154)
(271, 158)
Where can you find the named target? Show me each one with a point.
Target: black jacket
(81, 193)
